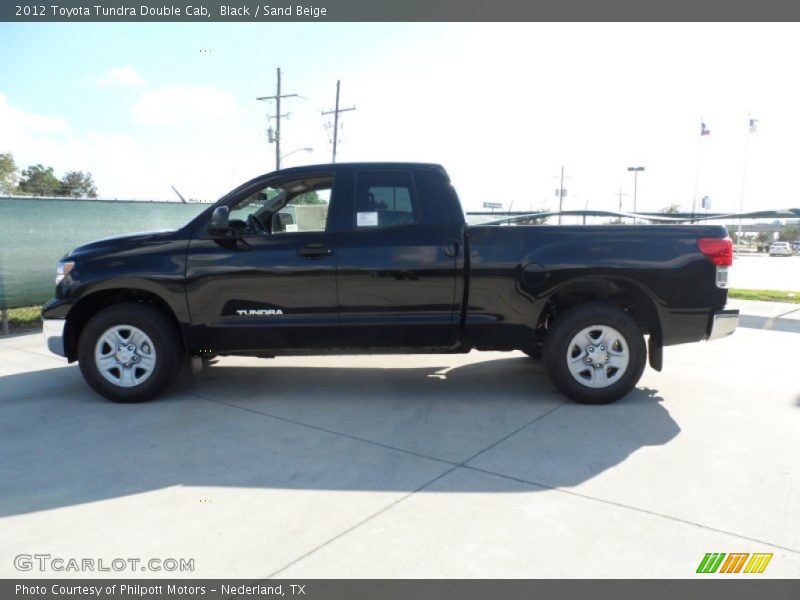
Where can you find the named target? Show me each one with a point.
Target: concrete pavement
(396, 466)
(778, 316)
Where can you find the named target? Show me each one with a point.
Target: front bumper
(54, 335)
(723, 323)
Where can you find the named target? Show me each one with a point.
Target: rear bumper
(723, 323)
(54, 335)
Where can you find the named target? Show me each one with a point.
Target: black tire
(560, 338)
(165, 339)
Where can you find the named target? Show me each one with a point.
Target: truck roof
(334, 167)
(349, 166)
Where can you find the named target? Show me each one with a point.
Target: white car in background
(780, 249)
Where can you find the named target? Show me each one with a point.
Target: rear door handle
(315, 251)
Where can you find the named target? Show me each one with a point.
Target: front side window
(384, 200)
(285, 208)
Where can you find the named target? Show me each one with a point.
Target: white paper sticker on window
(367, 219)
(291, 227)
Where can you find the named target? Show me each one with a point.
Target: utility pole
(620, 195)
(335, 112)
(277, 97)
(278, 124)
(561, 195)
(561, 192)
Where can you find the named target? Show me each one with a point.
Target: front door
(271, 283)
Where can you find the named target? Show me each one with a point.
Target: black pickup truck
(377, 258)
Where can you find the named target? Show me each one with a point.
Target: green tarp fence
(36, 233)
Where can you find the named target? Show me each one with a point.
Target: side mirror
(280, 221)
(219, 222)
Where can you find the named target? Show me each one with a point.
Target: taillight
(719, 251)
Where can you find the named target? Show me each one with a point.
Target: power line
(277, 97)
(335, 112)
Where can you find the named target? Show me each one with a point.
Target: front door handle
(315, 251)
(451, 248)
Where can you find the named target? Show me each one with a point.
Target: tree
(309, 198)
(762, 239)
(78, 185)
(39, 179)
(790, 233)
(9, 176)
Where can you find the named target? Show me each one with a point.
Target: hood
(120, 242)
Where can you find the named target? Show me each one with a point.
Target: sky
(502, 106)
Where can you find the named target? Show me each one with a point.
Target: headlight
(63, 269)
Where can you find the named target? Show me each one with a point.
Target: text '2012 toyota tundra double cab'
(377, 258)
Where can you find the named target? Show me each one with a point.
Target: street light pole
(635, 171)
(297, 150)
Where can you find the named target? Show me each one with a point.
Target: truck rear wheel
(129, 352)
(595, 354)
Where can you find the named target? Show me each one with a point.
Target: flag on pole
(753, 125)
(704, 130)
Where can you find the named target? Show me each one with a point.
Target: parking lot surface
(407, 466)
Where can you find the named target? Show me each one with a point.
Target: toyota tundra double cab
(378, 258)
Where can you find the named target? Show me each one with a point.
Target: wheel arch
(91, 304)
(619, 292)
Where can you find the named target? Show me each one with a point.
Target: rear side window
(384, 200)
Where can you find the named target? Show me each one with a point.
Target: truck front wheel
(595, 354)
(129, 352)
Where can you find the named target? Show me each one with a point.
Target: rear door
(397, 259)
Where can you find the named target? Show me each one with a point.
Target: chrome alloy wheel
(597, 356)
(125, 355)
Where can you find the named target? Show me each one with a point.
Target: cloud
(113, 159)
(13, 121)
(180, 103)
(124, 76)
(138, 166)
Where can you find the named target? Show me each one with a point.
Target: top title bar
(263, 11)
